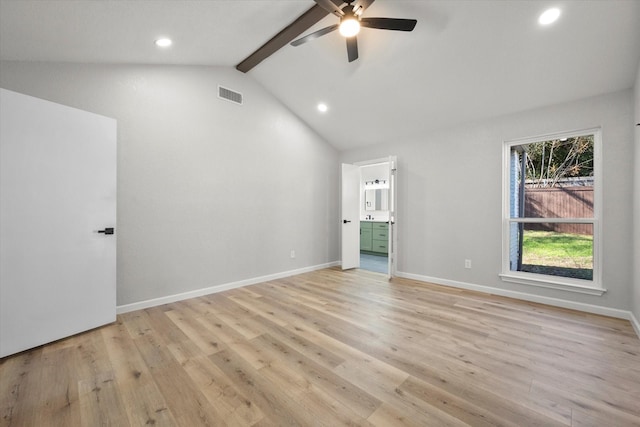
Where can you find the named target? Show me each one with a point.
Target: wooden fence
(567, 202)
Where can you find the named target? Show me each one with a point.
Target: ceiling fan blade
(331, 6)
(352, 48)
(314, 35)
(293, 30)
(396, 24)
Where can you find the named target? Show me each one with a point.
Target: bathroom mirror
(370, 200)
(376, 200)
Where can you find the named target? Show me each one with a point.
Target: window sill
(549, 282)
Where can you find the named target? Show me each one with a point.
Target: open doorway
(368, 208)
(374, 217)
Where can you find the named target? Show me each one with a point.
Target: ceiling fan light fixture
(349, 26)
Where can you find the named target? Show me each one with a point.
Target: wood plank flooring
(333, 348)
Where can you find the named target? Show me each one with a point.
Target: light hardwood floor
(334, 348)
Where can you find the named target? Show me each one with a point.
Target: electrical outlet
(293, 253)
(467, 263)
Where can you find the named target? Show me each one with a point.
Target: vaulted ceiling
(465, 60)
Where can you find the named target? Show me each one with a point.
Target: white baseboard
(589, 308)
(218, 288)
(634, 322)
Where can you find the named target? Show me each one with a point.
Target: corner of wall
(635, 289)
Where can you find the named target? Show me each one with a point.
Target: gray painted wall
(636, 208)
(209, 192)
(450, 185)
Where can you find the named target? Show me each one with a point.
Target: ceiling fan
(351, 22)
(322, 8)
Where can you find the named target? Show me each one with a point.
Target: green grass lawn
(559, 254)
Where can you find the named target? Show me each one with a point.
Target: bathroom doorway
(368, 199)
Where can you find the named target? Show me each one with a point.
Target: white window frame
(592, 287)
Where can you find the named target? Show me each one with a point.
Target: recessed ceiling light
(164, 42)
(549, 16)
(322, 107)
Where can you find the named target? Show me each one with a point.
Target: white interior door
(391, 271)
(350, 216)
(57, 189)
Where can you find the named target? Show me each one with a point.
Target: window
(551, 228)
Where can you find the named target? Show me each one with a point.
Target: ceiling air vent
(229, 95)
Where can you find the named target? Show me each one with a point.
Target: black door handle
(344, 221)
(109, 230)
